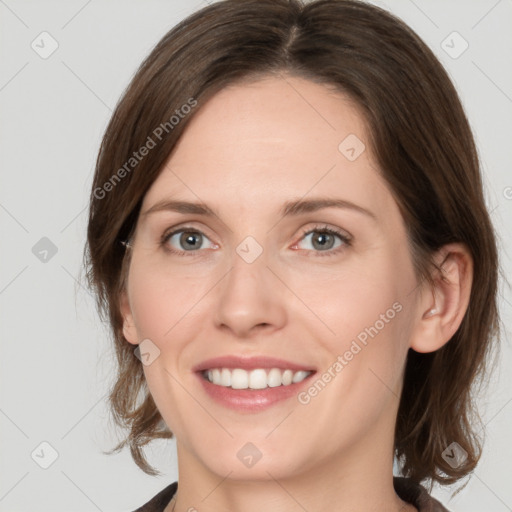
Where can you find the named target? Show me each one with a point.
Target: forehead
(273, 139)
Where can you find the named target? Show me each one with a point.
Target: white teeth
(258, 379)
(287, 377)
(299, 376)
(225, 377)
(274, 378)
(255, 379)
(239, 379)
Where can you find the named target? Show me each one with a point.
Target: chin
(247, 461)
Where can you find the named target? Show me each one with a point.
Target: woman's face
(273, 285)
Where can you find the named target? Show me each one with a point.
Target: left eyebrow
(300, 207)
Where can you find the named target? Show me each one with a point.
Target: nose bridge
(248, 296)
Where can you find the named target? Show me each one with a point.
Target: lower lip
(251, 400)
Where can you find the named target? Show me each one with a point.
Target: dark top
(408, 491)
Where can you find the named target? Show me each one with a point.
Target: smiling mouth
(259, 378)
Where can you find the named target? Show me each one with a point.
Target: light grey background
(56, 363)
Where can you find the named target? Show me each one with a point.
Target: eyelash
(347, 242)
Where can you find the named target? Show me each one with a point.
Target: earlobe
(129, 331)
(442, 308)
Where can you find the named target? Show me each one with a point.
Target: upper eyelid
(187, 227)
(338, 231)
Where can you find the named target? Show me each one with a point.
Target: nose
(250, 299)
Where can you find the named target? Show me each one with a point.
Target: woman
(288, 236)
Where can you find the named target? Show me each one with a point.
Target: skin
(250, 149)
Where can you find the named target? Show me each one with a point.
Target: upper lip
(250, 363)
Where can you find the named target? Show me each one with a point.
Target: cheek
(163, 311)
(366, 316)
(364, 355)
(361, 298)
(159, 303)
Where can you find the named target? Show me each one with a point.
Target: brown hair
(419, 136)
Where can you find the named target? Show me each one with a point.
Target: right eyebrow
(180, 207)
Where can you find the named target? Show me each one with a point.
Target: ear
(129, 330)
(442, 308)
